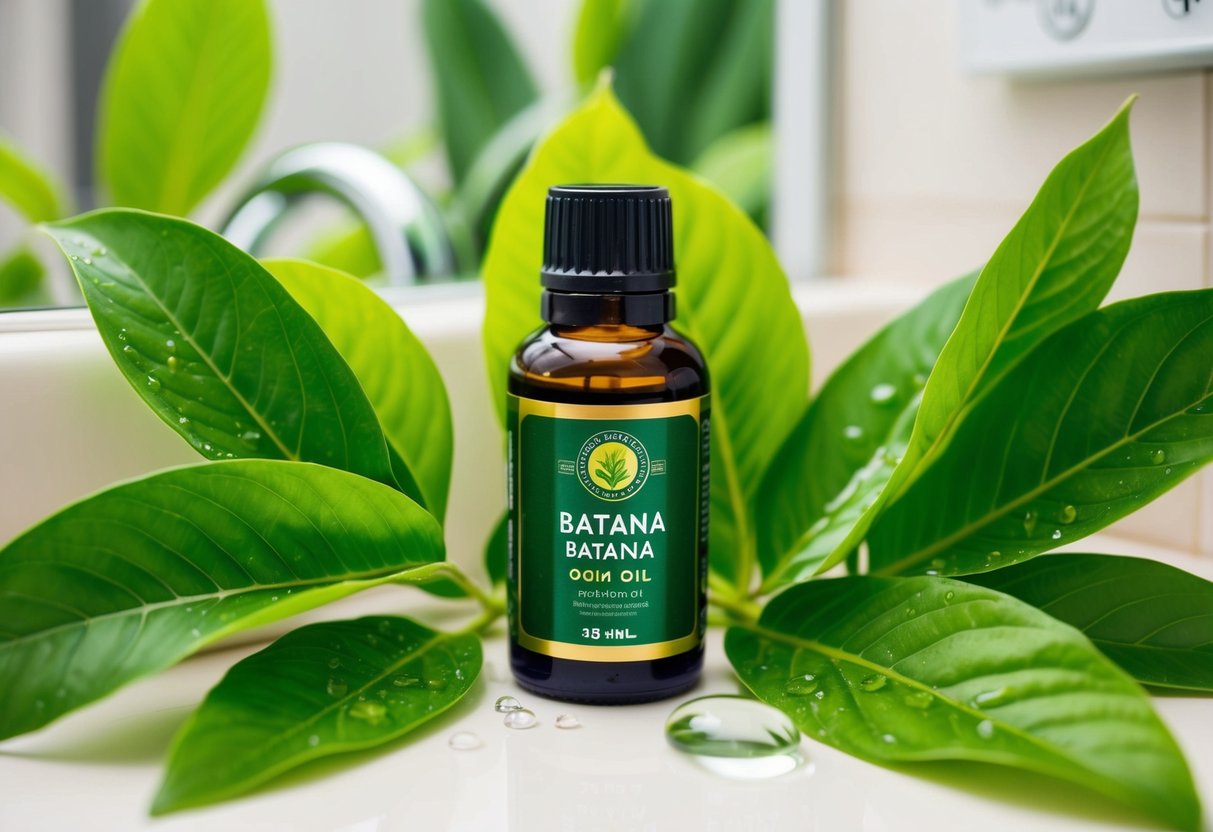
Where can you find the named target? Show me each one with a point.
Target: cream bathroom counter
(98, 769)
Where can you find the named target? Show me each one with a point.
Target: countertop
(98, 769)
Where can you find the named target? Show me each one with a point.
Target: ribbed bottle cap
(608, 239)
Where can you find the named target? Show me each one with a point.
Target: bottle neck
(640, 310)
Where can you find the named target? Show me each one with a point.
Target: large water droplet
(1029, 522)
(882, 393)
(567, 722)
(735, 737)
(800, 685)
(372, 712)
(1159, 456)
(873, 683)
(505, 704)
(520, 719)
(464, 741)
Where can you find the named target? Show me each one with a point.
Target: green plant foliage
(731, 295)
(917, 669)
(130, 581)
(855, 429)
(739, 163)
(480, 79)
(600, 28)
(692, 70)
(183, 93)
(219, 350)
(1153, 620)
(320, 690)
(21, 275)
(28, 188)
(394, 369)
(1056, 265)
(1100, 419)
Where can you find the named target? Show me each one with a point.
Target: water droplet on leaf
(1067, 514)
(372, 712)
(1029, 522)
(406, 681)
(1159, 456)
(985, 729)
(336, 687)
(882, 393)
(873, 683)
(313, 741)
(173, 363)
(1056, 534)
(334, 662)
(852, 433)
(919, 699)
(800, 685)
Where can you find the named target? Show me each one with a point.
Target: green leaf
(731, 292)
(847, 443)
(395, 370)
(692, 70)
(24, 185)
(131, 580)
(479, 78)
(324, 689)
(600, 28)
(739, 163)
(1102, 418)
(901, 670)
(182, 96)
(496, 551)
(218, 349)
(1153, 620)
(21, 275)
(1055, 266)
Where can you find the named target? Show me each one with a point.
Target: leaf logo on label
(613, 465)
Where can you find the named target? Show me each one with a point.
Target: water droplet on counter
(882, 393)
(919, 699)
(1159, 456)
(505, 704)
(1029, 522)
(985, 729)
(1067, 515)
(735, 737)
(336, 687)
(372, 712)
(520, 719)
(800, 685)
(852, 433)
(313, 740)
(567, 722)
(873, 683)
(464, 741)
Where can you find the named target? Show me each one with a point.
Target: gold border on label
(588, 412)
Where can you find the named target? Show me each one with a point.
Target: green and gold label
(608, 528)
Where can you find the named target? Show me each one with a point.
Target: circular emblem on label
(612, 465)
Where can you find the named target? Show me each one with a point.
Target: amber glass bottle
(608, 461)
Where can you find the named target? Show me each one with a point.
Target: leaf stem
(739, 610)
(487, 602)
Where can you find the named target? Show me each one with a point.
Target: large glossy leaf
(692, 70)
(901, 670)
(733, 301)
(739, 163)
(321, 690)
(850, 437)
(25, 186)
(131, 580)
(218, 348)
(395, 370)
(479, 78)
(1153, 620)
(1102, 418)
(182, 96)
(1056, 265)
(600, 28)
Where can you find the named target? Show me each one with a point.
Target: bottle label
(608, 528)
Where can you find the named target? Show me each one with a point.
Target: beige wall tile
(916, 134)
